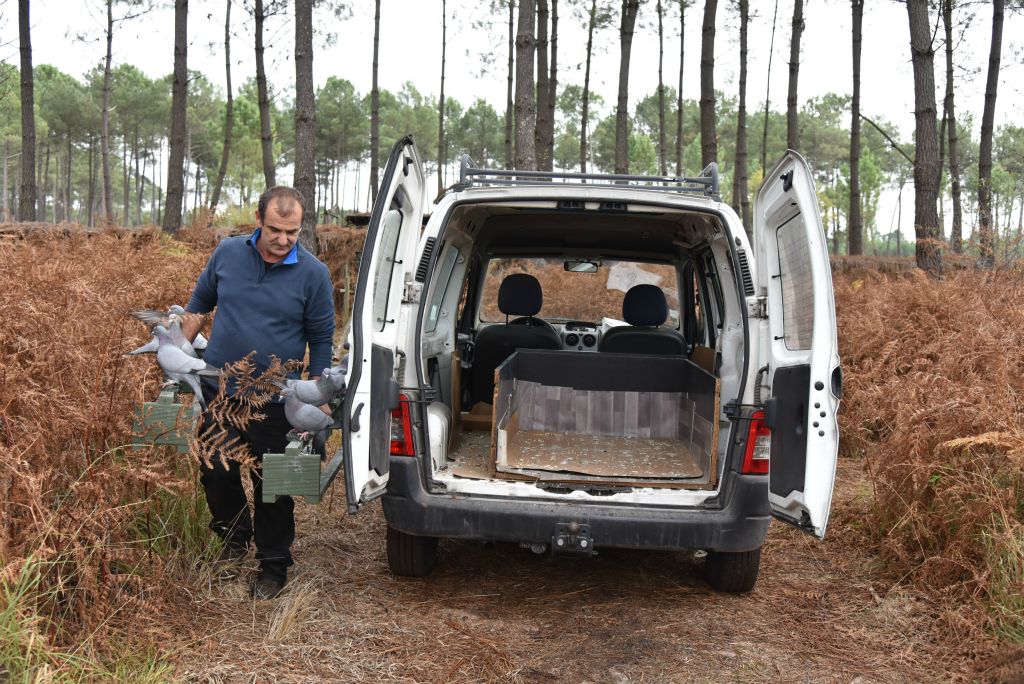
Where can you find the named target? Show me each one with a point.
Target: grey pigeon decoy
(315, 392)
(330, 384)
(302, 416)
(171, 322)
(179, 366)
(336, 375)
(198, 344)
(148, 348)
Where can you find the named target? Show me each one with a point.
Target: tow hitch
(572, 538)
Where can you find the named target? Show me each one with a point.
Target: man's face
(278, 233)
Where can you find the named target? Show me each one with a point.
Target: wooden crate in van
(624, 419)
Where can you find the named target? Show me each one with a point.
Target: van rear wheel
(734, 572)
(409, 555)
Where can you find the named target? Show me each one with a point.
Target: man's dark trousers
(274, 529)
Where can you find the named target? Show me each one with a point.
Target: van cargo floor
(472, 459)
(600, 455)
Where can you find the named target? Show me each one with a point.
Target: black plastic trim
(740, 525)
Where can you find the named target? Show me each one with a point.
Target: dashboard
(579, 335)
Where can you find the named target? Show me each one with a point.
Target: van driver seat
(645, 309)
(519, 295)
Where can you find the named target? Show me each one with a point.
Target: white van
(574, 362)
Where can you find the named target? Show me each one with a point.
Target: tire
(409, 555)
(733, 572)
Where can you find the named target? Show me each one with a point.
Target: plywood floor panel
(600, 455)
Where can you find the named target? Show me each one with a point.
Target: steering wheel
(533, 322)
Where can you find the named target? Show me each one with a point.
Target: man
(273, 298)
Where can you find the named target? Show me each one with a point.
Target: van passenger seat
(645, 309)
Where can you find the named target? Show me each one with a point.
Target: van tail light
(401, 429)
(759, 447)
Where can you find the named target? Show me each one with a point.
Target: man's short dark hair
(284, 199)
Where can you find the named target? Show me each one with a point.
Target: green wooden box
(160, 423)
(298, 472)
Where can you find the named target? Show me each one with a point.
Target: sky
(410, 50)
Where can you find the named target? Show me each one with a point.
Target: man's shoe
(228, 565)
(264, 588)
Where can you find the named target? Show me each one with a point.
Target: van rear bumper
(740, 525)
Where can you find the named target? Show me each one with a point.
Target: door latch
(757, 307)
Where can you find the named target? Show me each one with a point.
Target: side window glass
(451, 257)
(390, 230)
(797, 285)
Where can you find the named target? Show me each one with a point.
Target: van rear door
(798, 344)
(377, 326)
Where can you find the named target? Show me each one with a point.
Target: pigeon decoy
(179, 366)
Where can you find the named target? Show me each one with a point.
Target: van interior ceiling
(662, 433)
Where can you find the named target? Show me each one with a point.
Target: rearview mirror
(582, 266)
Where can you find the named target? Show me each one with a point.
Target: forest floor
(821, 612)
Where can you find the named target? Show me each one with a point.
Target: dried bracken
(934, 372)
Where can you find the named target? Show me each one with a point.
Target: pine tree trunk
(926, 185)
(509, 104)
(441, 156)
(543, 91)
(956, 229)
(41, 181)
(792, 100)
(92, 179)
(27, 194)
(986, 236)
(740, 199)
(708, 144)
(108, 193)
(662, 152)
(767, 94)
(229, 113)
(549, 131)
(43, 209)
(855, 236)
(629, 12)
(375, 108)
(526, 102)
(140, 181)
(67, 182)
(179, 93)
(792, 121)
(125, 169)
(585, 109)
(679, 89)
(305, 117)
(266, 136)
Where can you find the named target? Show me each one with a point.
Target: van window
(572, 296)
(797, 284)
(390, 230)
(451, 256)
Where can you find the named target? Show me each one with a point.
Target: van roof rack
(706, 184)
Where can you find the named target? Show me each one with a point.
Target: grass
(27, 656)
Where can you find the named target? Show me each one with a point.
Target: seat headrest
(645, 305)
(520, 295)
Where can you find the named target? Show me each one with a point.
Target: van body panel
(377, 334)
(797, 343)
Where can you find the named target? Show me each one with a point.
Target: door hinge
(411, 293)
(757, 307)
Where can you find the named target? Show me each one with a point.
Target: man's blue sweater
(272, 309)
